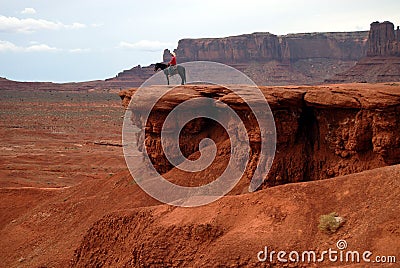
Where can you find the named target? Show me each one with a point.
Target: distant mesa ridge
(262, 47)
(304, 58)
(269, 59)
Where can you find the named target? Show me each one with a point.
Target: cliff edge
(322, 131)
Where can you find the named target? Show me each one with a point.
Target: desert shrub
(329, 223)
(392, 84)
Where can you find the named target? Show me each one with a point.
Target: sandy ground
(48, 138)
(48, 148)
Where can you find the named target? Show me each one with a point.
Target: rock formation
(382, 62)
(264, 47)
(322, 132)
(167, 55)
(259, 47)
(346, 46)
(383, 40)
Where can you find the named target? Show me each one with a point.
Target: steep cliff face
(346, 46)
(322, 132)
(383, 40)
(262, 47)
(235, 49)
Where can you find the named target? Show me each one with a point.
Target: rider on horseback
(171, 69)
(172, 64)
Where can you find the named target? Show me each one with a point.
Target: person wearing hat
(172, 64)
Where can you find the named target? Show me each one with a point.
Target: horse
(170, 72)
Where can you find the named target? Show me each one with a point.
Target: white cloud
(6, 46)
(79, 50)
(40, 48)
(12, 24)
(95, 25)
(28, 10)
(75, 25)
(145, 45)
(34, 46)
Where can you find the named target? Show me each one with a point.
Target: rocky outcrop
(167, 55)
(382, 62)
(383, 40)
(322, 131)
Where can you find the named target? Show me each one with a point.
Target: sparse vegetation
(329, 223)
(392, 84)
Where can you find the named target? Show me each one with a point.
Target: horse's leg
(166, 75)
(183, 76)
(179, 71)
(182, 80)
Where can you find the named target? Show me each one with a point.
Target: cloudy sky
(80, 40)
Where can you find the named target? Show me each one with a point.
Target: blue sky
(75, 40)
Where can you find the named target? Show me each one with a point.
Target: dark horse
(170, 72)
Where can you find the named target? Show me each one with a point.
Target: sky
(82, 40)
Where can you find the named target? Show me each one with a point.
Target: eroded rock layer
(322, 131)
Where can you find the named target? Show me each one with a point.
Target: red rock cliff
(383, 40)
(322, 131)
(234, 49)
(340, 46)
(262, 47)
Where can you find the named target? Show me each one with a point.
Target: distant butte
(382, 62)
